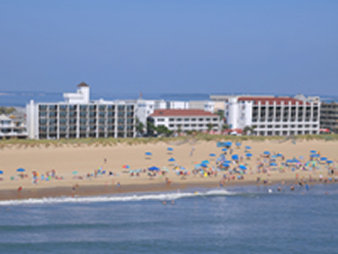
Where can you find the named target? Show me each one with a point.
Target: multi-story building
(329, 116)
(274, 115)
(186, 119)
(78, 117)
(11, 128)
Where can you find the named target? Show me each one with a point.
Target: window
(160, 120)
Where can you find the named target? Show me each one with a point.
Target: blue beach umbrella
(279, 155)
(238, 144)
(329, 162)
(314, 155)
(20, 170)
(153, 169)
(248, 155)
(266, 153)
(323, 159)
(226, 165)
(235, 157)
(224, 149)
(205, 162)
(228, 143)
(171, 159)
(227, 162)
(170, 149)
(212, 155)
(273, 164)
(1, 172)
(204, 165)
(313, 151)
(148, 153)
(247, 147)
(242, 167)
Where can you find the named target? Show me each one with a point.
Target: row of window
(283, 133)
(85, 107)
(286, 126)
(187, 119)
(191, 125)
(87, 135)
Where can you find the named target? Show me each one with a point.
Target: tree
(163, 130)
(248, 130)
(210, 126)
(139, 127)
(225, 127)
(6, 110)
(150, 128)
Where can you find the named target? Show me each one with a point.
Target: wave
(120, 198)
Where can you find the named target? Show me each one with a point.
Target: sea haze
(20, 99)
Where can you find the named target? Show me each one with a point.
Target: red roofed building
(185, 119)
(280, 116)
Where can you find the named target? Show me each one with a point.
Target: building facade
(329, 116)
(11, 128)
(186, 119)
(78, 117)
(280, 116)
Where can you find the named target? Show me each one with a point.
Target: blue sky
(176, 46)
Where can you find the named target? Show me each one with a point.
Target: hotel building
(269, 115)
(10, 127)
(78, 117)
(329, 116)
(185, 119)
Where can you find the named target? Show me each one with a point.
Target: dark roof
(83, 84)
(181, 112)
(270, 101)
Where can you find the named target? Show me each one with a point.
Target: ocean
(233, 220)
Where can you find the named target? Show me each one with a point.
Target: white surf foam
(119, 198)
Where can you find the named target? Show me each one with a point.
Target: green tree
(139, 127)
(7, 110)
(210, 126)
(248, 130)
(163, 130)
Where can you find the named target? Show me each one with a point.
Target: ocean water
(232, 220)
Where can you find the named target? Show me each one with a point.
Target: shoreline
(98, 190)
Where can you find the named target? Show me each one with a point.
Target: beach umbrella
(170, 149)
(279, 155)
(212, 155)
(266, 153)
(323, 159)
(205, 162)
(75, 172)
(125, 166)
(329, 162)
(314, 155)
(248, 147)
(204, 165)
(274, 156)
(171, 159)
(235, 157)
(313, 151)
(273, 164)
(238, 144)
(249, 155)
(20, 170)
(153, 168)
(228, 143)
(1, 172)
(227, 162)
(226, 165)
(224, 149)
(242, 167)
(148, 153)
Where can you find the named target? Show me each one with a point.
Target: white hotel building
(281, 116)
(185, 119)
(78, 117)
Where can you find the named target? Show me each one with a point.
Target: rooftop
(271, 101)
(181, 112)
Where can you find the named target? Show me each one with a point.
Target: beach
(85, 170)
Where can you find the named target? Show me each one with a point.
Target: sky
(176, 46)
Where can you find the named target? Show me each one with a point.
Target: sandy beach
(71, 170)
